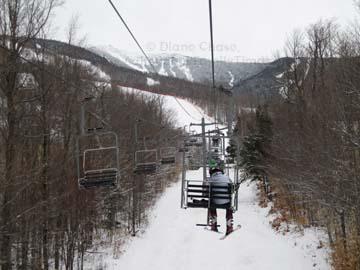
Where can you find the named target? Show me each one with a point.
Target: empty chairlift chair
(168, 155)
(146, 161)
(193, 140)
(100, 167)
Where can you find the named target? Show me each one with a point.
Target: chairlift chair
(199, 194)
(146, 161)
(215, 141)
(100, 166)
(168, 155)
(192, 140)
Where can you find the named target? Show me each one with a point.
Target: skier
(218, 178)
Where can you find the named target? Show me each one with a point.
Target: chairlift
(100, 165)
(184, 149)
(202, 192)
(215, 141)
(168, 155)
(146, 161)
(199, 194)
(193, 140)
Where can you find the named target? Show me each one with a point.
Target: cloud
(255, 27)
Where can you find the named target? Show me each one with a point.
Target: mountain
(182, 76)
(267, 81)
(183, 67)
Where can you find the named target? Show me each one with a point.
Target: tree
(256, 145)
(20, 22)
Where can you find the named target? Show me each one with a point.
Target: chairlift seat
(168, 160)
(194, 167)
(146, 168)
(183, 149)
(99, 178)
(202, 195)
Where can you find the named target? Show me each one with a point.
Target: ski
(209, 229)
(234, 230)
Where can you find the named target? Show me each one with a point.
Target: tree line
(46, 222)
(305, 140)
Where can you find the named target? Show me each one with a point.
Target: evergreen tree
(232, 149)
(256, 145)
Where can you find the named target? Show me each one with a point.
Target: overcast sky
(243, 29)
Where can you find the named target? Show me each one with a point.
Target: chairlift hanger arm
(100, 119)
(206, 124)
(200, 135)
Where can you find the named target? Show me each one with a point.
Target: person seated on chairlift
(218, 178)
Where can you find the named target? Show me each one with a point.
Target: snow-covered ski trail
(174, 242)
(236, 228)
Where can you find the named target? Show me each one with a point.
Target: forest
(46, 221)
(305, 144)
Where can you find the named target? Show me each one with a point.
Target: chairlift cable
(212, 57)
(87, 93)
(144, 53)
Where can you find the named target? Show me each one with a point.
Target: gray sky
(243, 29)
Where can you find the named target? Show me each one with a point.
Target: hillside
(172, 240)
(183, 67)
(177, 75)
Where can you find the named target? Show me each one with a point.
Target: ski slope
(185, 112)
(173, 242)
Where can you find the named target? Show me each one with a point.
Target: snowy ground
(172, 241)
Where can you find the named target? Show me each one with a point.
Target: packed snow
(184, 111)
(172, 241)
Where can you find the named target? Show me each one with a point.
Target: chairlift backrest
(166, 152)
(100, 159)
(146, 161)
(146, 157)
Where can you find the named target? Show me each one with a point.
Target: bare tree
(20, 22)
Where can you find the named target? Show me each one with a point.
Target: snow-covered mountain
(182, 67)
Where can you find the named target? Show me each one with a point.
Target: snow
(185, 112)
(167, 63)
(152, 82)
(28, 54)
(185, 69)
(232, 80)
(95, 70)
(162, 69)
(284, 92)
(171, 64)
(116, 53)
(279, 76)
(172, 241)
(27, 80)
